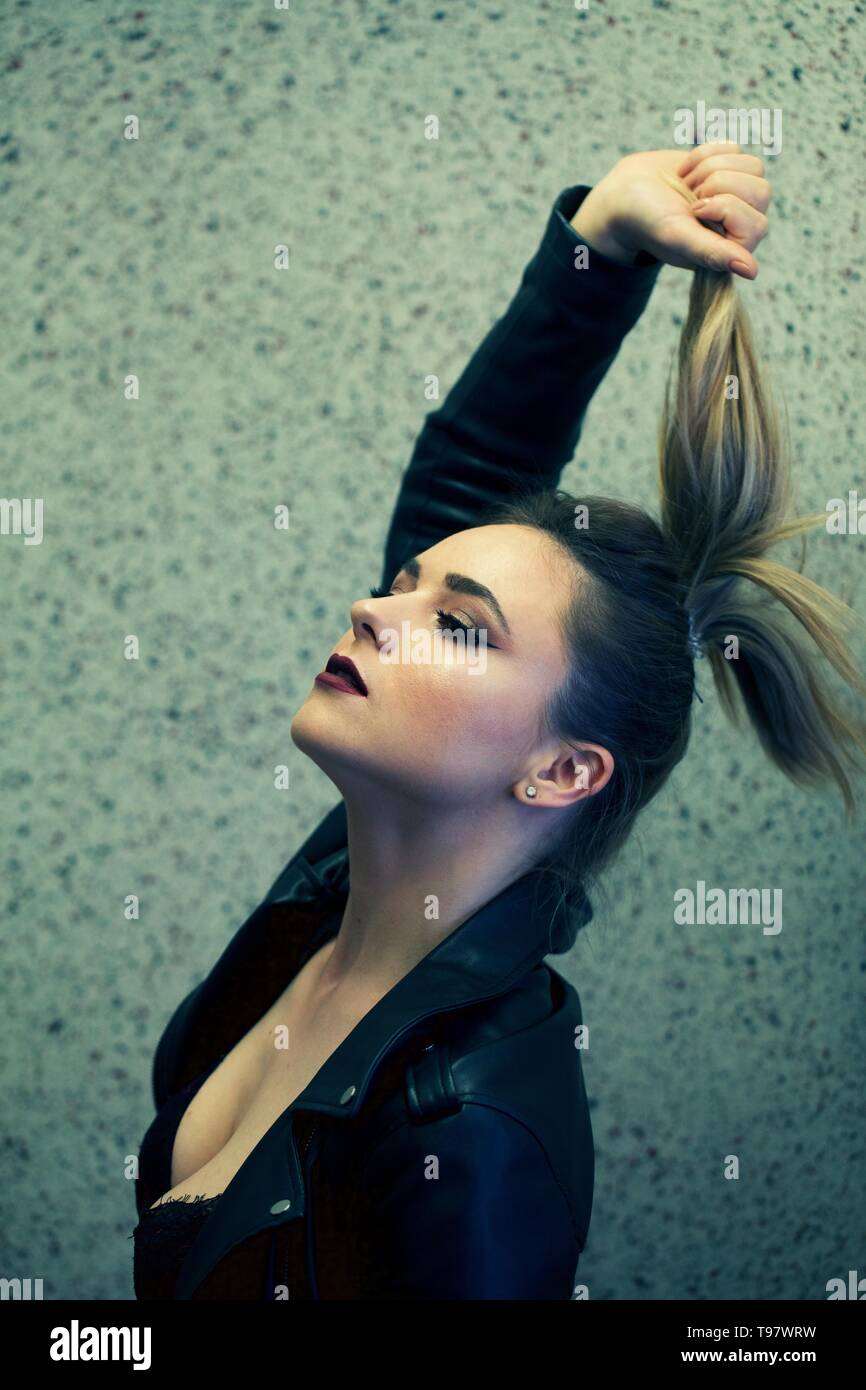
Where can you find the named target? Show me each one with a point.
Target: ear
(576, 772)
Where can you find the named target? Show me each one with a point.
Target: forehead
(502, 550)
(533, 579)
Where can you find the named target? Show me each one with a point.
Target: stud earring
(531, 791)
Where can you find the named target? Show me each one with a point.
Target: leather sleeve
(465, 1207)
(515, 414)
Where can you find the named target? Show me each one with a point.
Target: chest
(256, 1082)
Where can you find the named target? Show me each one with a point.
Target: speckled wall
(154, 257)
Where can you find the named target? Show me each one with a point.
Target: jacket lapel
(483, 957)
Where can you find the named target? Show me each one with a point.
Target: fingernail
(701, 203)
(742, 269)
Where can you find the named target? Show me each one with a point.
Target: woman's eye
(447, 621)
(452, 623)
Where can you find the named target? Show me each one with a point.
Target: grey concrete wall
(155, 776)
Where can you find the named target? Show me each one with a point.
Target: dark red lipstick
(342, 674)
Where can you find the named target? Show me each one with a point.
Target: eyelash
(447, 621)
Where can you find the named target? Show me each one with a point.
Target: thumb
(714, 246)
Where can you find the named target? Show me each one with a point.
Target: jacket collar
(483, 957)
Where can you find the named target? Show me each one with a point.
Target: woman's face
(448, 724)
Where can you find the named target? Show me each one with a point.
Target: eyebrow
(460, 584)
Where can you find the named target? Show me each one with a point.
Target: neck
(416, 874)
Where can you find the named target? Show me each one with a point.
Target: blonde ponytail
(652, 595)
(725, 484)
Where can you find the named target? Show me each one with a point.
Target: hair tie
(696, 645)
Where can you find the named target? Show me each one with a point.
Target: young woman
(377, 1092)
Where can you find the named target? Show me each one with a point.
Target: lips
(342, 666)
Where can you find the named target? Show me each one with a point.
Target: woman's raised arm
(516, 411)
(515, 414)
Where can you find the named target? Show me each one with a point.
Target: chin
(316, 732)
(308, 729)
(326, 741)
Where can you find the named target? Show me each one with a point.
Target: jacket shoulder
(465, 1206)
(477, 1173)
(522, 1056)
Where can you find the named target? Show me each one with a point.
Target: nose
(368, 619)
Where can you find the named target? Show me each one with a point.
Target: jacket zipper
(286, 1263)
(308, 1217)
(307, 1144)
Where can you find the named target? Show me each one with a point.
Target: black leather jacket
(444, 1150)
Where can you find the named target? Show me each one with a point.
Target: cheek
(467, 714)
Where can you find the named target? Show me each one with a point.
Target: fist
(705, 208)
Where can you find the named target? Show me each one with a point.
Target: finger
(700, 152)
(699, 246)
(741, 222)
(747, 163)
(749, 189)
